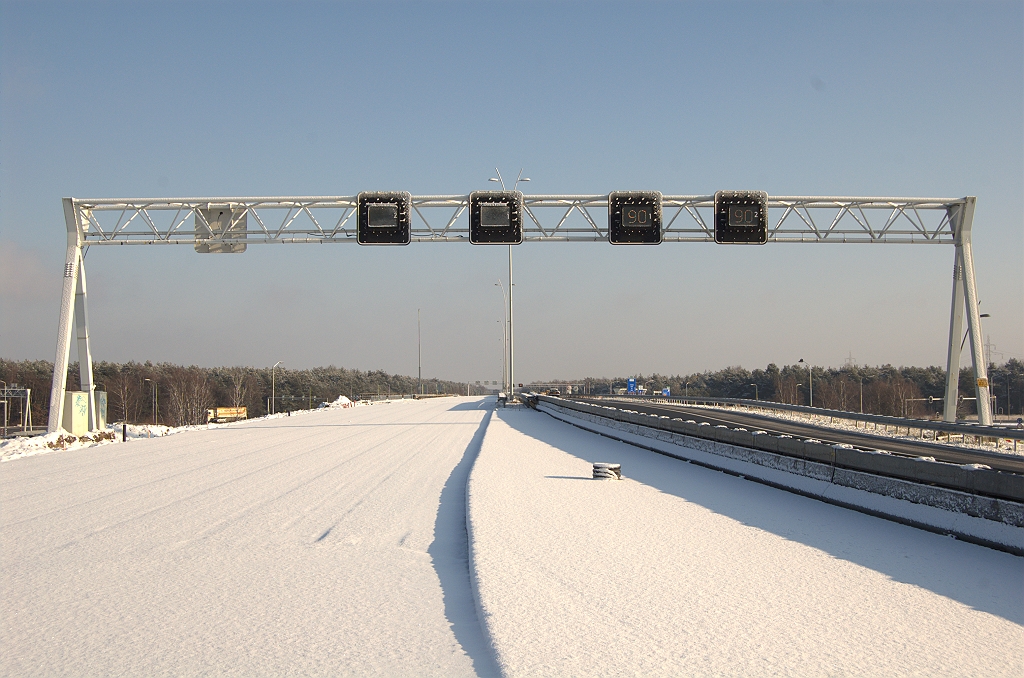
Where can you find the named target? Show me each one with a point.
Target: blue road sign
(631, 385)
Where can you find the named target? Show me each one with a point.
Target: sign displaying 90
(741, 217)
(634, 218)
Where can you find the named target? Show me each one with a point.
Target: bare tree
(786, 389)
(125, 395)
(241, 386)
(189, 395)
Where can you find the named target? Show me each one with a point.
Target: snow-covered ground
(331, 543)
(334, 543)
(682, 571)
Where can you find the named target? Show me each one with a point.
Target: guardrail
(981, 481)
(977, 430)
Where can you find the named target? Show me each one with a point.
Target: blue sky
(302, 98)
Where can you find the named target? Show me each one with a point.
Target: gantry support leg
(73, 311)
(84, 354)
(965, 293)
(956, 330)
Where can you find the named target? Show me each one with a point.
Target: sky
(110, 99)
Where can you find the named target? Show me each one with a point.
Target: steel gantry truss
(555, 218)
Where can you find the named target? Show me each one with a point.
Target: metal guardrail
(979, 481)
(1011, 433)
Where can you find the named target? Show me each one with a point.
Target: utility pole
(419, 352)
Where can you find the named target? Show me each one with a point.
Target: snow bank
(680, 570)
(27, 446)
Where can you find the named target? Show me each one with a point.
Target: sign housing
(634, 218)
(384, 218)
(496, 217)
(741, 217)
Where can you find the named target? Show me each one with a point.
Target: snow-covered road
(678, 570)
(334, 543)
(331, 543)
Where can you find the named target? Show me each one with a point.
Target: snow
(680, 570)
(334, 542)
(331, 543)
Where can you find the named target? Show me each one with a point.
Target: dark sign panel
(741, 217)
(384, 218)
(496, 217)
(634, 218)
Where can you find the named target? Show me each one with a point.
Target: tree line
(888, 390)
(177, 395)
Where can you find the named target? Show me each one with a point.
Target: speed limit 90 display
(634, 218)
(741, 217)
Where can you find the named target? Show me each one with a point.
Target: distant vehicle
(554, 392)
(219, 415)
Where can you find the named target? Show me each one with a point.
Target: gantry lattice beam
(565, 218)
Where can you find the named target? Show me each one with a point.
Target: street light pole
(273, 387)
(504, 357)
(419, 351)
(505, 347)
(511, 334)
(511, 331)
(155, 400)
(810, 381)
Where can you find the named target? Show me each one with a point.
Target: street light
(810, 380)
(419, 352)
(504, 336)
(156, 401)
(686, 388)
(504, 357)
(6, 406)
(511, 334)
(964, 341)
(755, 391)
(273, 387)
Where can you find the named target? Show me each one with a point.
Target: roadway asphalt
(864, 441)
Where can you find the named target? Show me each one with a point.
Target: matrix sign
(496, 217)
(384, 218)
(741, 217)
(634, 218)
